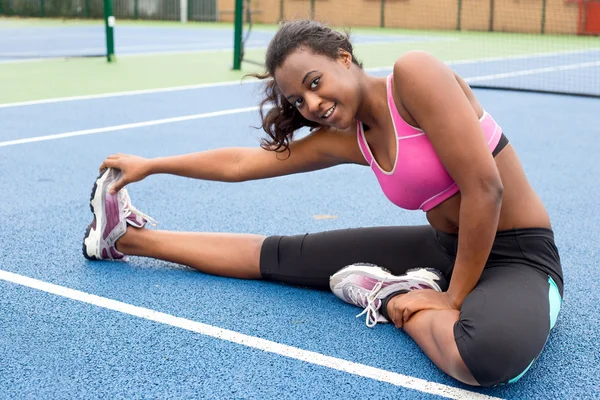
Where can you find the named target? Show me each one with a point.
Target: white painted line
(506, 58)
(524, 56)
(130, 93)
(311, 357)
(201, 86)
(533, 71)
(127, 126)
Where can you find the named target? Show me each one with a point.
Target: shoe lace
(130, 209)
(369, 301)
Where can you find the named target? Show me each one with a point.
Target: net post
(312, 9)
(109, 23)
(459, 15)
(183, 11)
(543, 27)
(136, 9)
(42, 8)
(382, 14)
(237, 34)
(1, 9)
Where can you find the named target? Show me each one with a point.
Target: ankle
(128, 242)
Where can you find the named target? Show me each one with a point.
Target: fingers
(113, 161)
(117, 186)
(110, 162)
(403, 307)
(408, 312)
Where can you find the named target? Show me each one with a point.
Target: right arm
(320, 149)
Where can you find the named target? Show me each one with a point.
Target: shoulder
(417, 61)
(417, 71)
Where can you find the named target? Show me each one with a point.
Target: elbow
(234, 173)
(497, 191)
(491, 190)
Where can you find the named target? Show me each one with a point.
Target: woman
(432, 147)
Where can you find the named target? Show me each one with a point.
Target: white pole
(183, 11)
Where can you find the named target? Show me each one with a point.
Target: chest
(408, 169)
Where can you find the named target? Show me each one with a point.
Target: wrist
(455, 300)
(152, 166)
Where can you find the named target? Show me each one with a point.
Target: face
(320, 88)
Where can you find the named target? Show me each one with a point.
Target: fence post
(459, 16)
(491, 25)
(109, 23)
(382, 15)
(543, 28)
(281, 14)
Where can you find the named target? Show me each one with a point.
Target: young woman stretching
(433, 148)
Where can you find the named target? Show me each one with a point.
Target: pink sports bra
(418, 180)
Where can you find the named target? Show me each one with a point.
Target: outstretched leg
(224, 254)
(117, 230)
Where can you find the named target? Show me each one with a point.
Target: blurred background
(534, 45)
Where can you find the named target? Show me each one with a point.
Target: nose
(313, 103)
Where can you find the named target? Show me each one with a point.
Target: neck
(372, 107)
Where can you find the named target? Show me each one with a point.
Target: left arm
(431, 94)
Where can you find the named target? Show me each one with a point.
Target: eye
(315, 83)
(298, 102)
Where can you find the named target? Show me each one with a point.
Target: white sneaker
(112, 214)
(367, 285)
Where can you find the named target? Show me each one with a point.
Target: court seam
(229, 83)
(264, 345)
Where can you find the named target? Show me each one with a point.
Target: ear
(345, 58)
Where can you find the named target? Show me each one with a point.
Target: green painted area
(60, 78)
(23, 81)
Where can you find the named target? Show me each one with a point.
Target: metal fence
(168, 10)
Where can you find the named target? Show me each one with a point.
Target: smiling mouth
(329, 112)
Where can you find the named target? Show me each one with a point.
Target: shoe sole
(94, 235)
(413, 277)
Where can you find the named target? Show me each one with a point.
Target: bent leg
(501, 329)
(433, 331)
(310, 259)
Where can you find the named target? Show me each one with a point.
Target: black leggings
(504, 322)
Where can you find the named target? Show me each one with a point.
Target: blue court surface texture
(75, 329)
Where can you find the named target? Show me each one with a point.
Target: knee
(494, 355)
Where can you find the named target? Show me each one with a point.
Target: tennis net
(536, 45)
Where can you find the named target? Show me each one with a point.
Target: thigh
(311, 259)
(505, 322)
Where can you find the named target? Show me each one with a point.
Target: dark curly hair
(280, 119)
